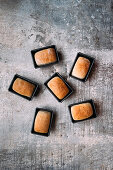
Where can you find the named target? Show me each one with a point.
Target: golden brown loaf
(58, 87)
(81, 67)
(23, 87)
(42, 122)
(81, 111)
(45, 56)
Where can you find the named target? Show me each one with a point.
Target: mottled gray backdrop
(73, 26)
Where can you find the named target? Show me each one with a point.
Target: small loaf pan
(94, 115)
(91, 59)
(51, 118)
(40, 49)
(28, 80)
(69, 87)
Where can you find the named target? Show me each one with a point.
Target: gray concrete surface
(73, 26)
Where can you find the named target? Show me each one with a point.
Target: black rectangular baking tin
(69, 87)
(39, 49)
(86, 101)
(28, 80)
(36, 112)
(91, 59)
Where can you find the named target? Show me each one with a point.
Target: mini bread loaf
(23, 87)
(81, 67)
(45, 56)
(42, 122)
(81, 111)
(58, 87)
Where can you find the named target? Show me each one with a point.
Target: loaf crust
(42, 122)
(58, 87)
(23, 87)
(45, 56)
(81, 111)
(81, 67)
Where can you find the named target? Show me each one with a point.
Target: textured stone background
(73, 26)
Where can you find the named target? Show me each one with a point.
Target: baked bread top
(42, 121)
(45, 56)
(81, 111)
(58, 87)
(23, 87)
(81, 67)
